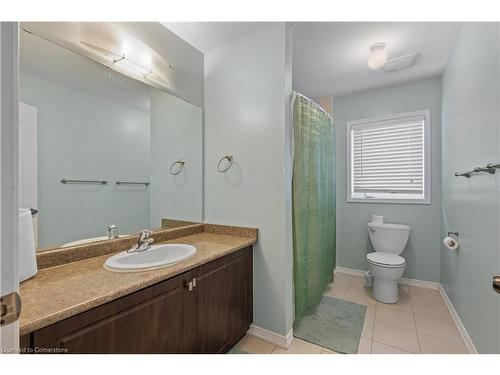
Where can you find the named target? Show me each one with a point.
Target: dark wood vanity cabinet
(148, 321)
(224, 302)
(169, 317)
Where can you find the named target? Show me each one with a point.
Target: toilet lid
(387, 259)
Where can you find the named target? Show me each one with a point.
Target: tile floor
(419, 323)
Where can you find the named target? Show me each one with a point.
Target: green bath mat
(335, 324)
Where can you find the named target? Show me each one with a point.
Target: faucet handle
(112, 231)
(143, 242)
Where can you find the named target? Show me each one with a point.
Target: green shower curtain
(313, 202)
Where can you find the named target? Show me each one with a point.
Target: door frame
(9, 103)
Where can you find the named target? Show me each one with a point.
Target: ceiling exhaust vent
(402, 62)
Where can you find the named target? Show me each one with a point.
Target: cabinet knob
(194, 282)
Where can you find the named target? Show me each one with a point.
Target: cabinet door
(224, 295)
(148, 321)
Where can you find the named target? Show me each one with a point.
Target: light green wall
(247, 91)
(422, 251)
(471, 207)
(82, 136)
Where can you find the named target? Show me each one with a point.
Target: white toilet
(386, 264)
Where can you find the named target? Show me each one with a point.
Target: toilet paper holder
(451, 241)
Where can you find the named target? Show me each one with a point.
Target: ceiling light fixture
(378, 56)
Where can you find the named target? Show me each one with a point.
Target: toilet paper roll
(451, 243)
(26, 241)
(376, 219)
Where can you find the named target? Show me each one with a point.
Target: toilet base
(385, 291)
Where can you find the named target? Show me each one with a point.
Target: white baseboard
(463, 332)
(430, 285)
(402, 281)
(271, 337)
(349, 271)
(419, 283)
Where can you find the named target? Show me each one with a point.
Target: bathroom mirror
(107, 148)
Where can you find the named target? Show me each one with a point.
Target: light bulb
(146, 61)
(126, 49)
(378, 56)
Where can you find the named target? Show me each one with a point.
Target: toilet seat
(385, 259)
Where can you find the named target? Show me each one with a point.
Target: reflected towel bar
(229, 159)
(131, 183)
(100, 182)
(181, 164)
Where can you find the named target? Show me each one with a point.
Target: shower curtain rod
(316, 104)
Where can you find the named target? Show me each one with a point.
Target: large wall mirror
(106, 147)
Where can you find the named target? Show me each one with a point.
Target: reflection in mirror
(96, 146)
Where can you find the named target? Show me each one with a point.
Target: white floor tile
(254, 345)
(433, 345)
(365, 346)
(395, 317)
(379, 348)
(299, 346)
(444, 330)
(395, 336)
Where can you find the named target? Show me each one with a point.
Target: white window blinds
(387, 158)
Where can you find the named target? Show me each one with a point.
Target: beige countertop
(63, 291)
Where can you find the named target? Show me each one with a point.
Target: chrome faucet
(112, 232)
(143, 242)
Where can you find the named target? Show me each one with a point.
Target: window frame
(427, 158)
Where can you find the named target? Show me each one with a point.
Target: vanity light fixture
(131, 66)
(378, 56)
(118, 59)
(155, 79)
(110, 55)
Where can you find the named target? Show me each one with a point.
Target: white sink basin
(157, 256)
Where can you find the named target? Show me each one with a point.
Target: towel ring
(229, 159)
(181, 164)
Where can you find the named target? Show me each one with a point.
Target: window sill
(390, 201)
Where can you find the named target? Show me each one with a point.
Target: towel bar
(489, 168)
(131, 183)
(100, 182)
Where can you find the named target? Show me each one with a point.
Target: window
(388, 159)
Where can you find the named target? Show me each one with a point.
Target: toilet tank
(389, 238)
